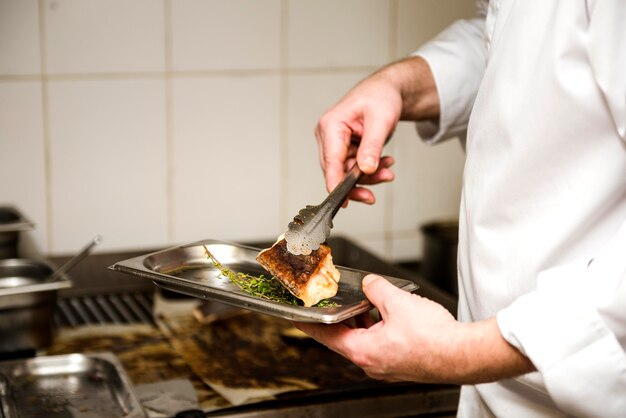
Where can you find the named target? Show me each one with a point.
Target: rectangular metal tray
(20, 277)
(186, 269)
(73, 385)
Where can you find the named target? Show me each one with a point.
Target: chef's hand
(356, 129)
(419, 340)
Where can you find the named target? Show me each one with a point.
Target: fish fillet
(310, 278)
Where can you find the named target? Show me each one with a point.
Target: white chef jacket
(540, 88)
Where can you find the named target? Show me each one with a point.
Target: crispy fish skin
(310, 278)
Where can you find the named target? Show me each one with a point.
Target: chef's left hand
(405, 345)
(419, 340)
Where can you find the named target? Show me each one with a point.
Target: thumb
(376, 129)
(380, 292)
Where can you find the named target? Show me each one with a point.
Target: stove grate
(124, 308)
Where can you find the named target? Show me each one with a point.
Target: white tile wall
(406, 246)
(226, 158)
(427, 185)
(108, 164)
(175, 120)
(104, 36)
(374, 245)
(22, 174)
(19, 37)
(419, 21)
(329, 33)
(226, 34)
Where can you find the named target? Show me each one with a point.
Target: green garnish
(260, 286)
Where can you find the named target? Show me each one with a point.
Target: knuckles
(324, 124)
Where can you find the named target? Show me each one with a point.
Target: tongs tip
(311, 226)
(299, 244)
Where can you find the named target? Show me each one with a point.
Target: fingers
(358, 126)
(377, 126)
(337, 337)
(364, 320)
(381, 293)
(383, 174)
(360, 194)
(333, 140)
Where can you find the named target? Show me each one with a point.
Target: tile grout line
(169, 123)
(393, 43)
(284, 114)
(406, 233)
(16, 78)
(364, 236)
(11, 78)
(45, 112)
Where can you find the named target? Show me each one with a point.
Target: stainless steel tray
(24, 276)
(186, 269)
(73, 385)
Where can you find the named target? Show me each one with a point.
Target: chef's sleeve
(457, 59)
(573, 326)
(573, 329)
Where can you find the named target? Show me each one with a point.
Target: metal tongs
(69, 264)
(311, 226)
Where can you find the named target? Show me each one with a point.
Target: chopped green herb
(260, 286)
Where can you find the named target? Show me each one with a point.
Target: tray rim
(19, 225)
(136, 409)
(135, 266)
(62, 282)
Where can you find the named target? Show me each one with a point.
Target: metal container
(12, 222)
(73, 385)
(27, 302)
(439, 259)
(187, 269)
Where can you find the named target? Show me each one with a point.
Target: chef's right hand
(357, 128)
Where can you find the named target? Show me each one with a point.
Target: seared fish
(310, 278)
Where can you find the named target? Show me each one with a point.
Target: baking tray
(73, 385)
(186, 269)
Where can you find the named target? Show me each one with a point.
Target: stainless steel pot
(27, 303)
(439, 260)
(12, 222)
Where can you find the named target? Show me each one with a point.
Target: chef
(536, 90)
